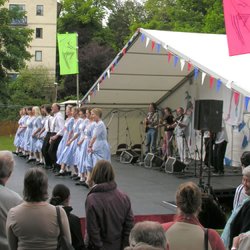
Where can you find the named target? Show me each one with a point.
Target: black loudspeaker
(208, 115)
(129, 156)
(173, 165)
(152, 161)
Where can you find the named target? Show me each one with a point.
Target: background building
(41, 16)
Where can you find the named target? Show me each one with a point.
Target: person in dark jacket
(61, 197)
(109, 217)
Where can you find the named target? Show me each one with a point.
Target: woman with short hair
(186, 232)
(33, 224)
(109, 217)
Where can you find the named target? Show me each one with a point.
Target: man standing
(57, 125)
(181, 124)
(151, 122)
(8, 197)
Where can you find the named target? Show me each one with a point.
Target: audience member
(241, 242)
(33, 223)
(147, 235)
(186, 232)
(237, 222)
(240, 194)
(109, 217)
(8, 197)
(61, 197)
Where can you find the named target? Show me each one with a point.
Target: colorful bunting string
(169, 56)
(152, 45)
(158, 47)
(189, 66)
(176, 58)
(196, 73)
(246, 102)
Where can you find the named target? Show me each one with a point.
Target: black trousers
(53, 149)
(219, 154)
(45, 149)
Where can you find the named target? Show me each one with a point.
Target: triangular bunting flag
(196, 73)
(169, 56)
(112, 68)
(211, 82)
(203, 75)
(88, 98)
(176, 58)
(147, 41)
(246, 102)
(189, 66)
(158, 47)
(236, 98)
(108, 73)
(152, 45)
(218, 85)
(142, 37)
(124, 51)
(229, 84)
(182, 61)
(98, 87)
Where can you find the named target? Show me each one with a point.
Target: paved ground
(147, 188)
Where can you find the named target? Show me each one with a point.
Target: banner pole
(77, 75)
(77, 89)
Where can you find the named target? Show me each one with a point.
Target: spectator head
(6, 166)
(35, 185)
(179, 111)
(188, 198)
(68, 110)
(246, 179)
(60, 195)
(150, 233)
(103, 172)
(245, 159)
(47, 109)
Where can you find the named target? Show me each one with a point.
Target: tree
(13, 44)
(95, 52)
(33, 86)
(121, 21)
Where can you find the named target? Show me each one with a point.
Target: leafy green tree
(13, 44)
(95, 52)
(33, 86)
(122, 19)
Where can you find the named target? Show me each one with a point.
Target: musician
(168, 122)
(181, 124)
(151, 122)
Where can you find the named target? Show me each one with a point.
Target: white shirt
(57, 123)
(47, 123)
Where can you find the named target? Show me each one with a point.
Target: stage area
(147, 188)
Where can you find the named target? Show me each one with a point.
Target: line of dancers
(66, 146)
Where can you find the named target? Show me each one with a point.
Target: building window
(20, 7)
(18, 21)
(39, 10)
(39, 33)
(38, 56)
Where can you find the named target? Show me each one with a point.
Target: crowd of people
(31, 222)
(176, 132)
(64, 146)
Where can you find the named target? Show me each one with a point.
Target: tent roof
(143, 74)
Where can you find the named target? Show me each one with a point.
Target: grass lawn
(6, 143)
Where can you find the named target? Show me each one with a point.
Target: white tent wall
(124, 126)
(232, 116)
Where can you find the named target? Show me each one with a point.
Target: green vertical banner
(68, 57)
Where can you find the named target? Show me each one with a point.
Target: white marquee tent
(165, 67)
